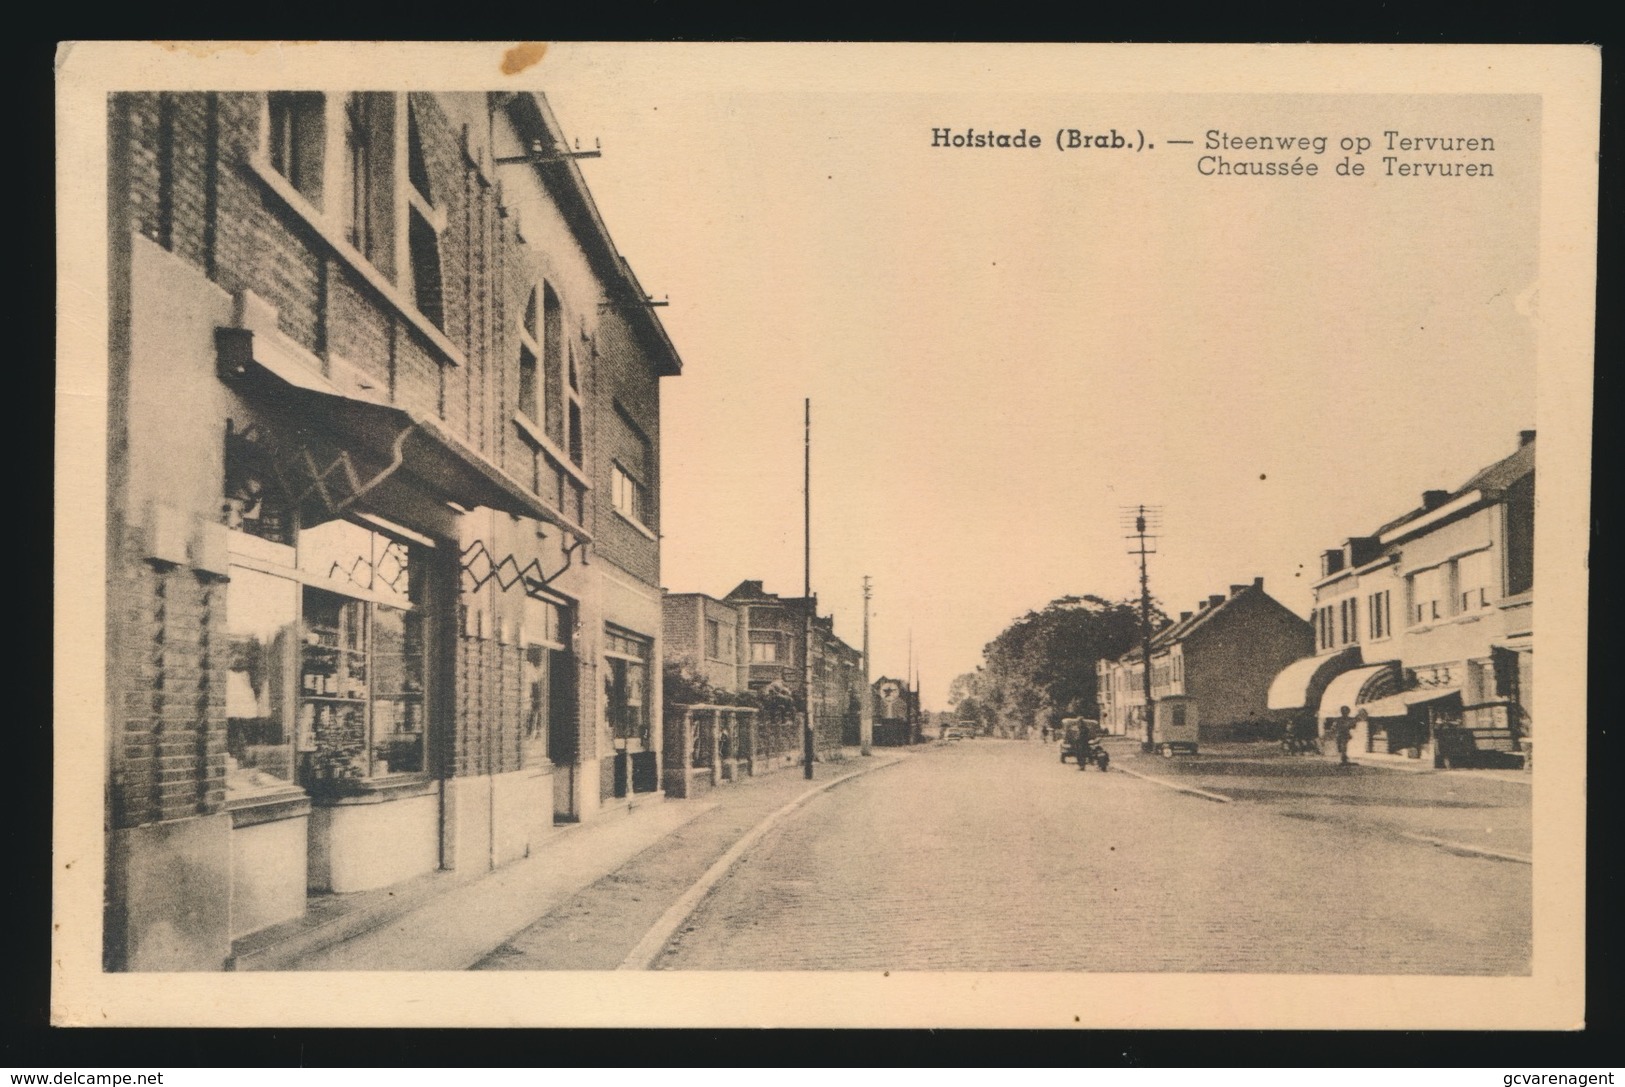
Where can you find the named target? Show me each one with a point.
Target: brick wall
(1230, 663)
(169, 743)
(626, 410)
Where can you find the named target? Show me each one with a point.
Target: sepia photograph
(653, 534)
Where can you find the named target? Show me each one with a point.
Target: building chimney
(1432, 500)
(1215, 600)
(1258, 583)
(1525, 437)
(1184, 615)
(1235, 590)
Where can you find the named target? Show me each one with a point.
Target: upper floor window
(297, 139)
(1428, 598)
(423, 232)
(713, 639)
(1323, 627)
(362, 164)
(1348, 628)
(764, 651)
(529, 353)
(1476, 581)
(369, 145)
(626, 494)
(1380, 622)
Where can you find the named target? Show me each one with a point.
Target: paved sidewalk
(601, 860)
(596, 927)
(1485, 810)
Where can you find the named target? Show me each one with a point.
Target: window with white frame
(296, 139)
(1475, 581)
(369, 177)
(546, 677)
(423, 231)
(361, 164)
(764, 650)
(626, 493)
(552, 343)
(1348, 629)
(530, 352)
(1380, 622)
(575, 434)
(1427, 595)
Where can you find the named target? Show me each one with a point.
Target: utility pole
(866, 710)
(1145, 519)
(806, 588)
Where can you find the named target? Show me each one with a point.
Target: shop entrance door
(564, 738)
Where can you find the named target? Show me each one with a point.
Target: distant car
(958, 732)
(1075, 741)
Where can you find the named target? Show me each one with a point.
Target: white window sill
(295, 201)
(639, 525)
(534, 435)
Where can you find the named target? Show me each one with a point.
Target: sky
(1005, 347)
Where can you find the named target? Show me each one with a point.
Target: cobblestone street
(991, 855)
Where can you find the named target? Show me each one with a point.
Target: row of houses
(756, 650)
(1423, 630)
(384, 517)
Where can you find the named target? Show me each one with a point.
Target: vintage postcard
(823, 535)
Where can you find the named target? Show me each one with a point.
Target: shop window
(626, 686)
(546, 667)
(262, 627)
(362, 663)
(296, 138)
(626, 494)
(1475, 581)
(253, 501)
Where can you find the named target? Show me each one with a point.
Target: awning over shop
(1360, 686)
(1393, 705)
(1300, 683)
(387, 437)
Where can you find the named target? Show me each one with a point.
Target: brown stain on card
(522, 56)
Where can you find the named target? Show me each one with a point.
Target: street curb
(1165, 783)
(648, 949)
(1463, 847)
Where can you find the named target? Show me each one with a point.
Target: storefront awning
(1360, 686)
(1300, 683)
(400, 439)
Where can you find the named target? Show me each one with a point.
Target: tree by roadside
(1041, 667)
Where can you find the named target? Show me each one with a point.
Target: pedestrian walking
(1342, 730)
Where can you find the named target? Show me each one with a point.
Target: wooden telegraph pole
(806, 586)
(1145, 518)
(866, 709)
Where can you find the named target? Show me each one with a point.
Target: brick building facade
(775, 652)
(1219, 658)
(383, 504)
